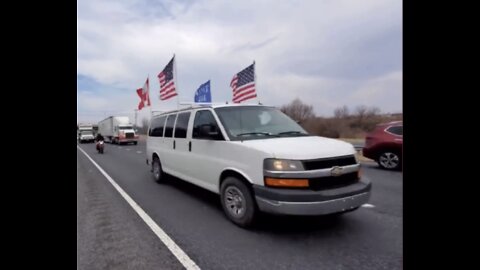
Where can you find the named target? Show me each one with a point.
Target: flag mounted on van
(203, 93)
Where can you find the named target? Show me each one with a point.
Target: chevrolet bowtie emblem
(336, 171)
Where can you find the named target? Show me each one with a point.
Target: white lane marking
(171, 245)
(367, 205)
(139, 152)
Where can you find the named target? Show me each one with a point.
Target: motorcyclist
(98, 138)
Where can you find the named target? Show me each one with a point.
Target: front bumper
(310, 202)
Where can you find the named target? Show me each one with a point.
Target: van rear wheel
(158, 174)
(238, 202)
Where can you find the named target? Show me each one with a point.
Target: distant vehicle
(117, 129)
(85, 133)
(384, 145)
(257, 159)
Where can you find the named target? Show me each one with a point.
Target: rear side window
(169, 125)
(156, 127)
(181, 125)
(397, 130)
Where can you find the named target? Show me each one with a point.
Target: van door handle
(190, 146)
(173, 144)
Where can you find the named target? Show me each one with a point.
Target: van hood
(299, 148)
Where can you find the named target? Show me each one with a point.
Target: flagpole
(255, 80)
(151, 104)
(176, 81)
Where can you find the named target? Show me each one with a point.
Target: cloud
(327, 53)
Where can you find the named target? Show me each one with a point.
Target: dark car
(384, 145)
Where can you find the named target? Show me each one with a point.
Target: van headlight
(272, 164)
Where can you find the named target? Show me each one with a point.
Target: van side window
(156, 128)
(181, 125)
(205, 117)
(169, 125)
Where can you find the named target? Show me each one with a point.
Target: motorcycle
(100, 146)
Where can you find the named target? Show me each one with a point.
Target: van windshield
(257, 122)
(125, 127)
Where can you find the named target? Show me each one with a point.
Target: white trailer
(117, 129)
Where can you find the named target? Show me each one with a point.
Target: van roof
(208, 105)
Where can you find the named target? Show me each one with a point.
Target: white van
(256, 158)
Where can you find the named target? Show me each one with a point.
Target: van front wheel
(238, 202)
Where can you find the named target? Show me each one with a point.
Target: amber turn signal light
(281, 182)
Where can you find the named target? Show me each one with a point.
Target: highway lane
(109, 234)
(369, 238)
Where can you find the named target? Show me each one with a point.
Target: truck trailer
(117, 130)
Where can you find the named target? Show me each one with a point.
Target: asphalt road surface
(111, 235)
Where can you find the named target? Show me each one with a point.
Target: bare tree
(365, 118)
(298, 110)
(341, 112)
(373, 111)
(361, 112)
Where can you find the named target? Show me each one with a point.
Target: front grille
(330, 182)
(129, 135)
(325, 163)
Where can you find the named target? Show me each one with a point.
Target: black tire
(390, 160)
(135, 143)
(238, 202)
(157, 172)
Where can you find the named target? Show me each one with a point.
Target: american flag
(167, 81)
(243, 84)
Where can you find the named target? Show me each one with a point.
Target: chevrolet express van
(257, 159)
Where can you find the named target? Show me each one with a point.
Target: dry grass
(353, 140)
(359, 155)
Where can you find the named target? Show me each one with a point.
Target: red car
(384, 145)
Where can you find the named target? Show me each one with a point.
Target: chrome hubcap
(389, 160)
(235, 201)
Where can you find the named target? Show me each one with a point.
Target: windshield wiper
(291, 132)
(255, 133)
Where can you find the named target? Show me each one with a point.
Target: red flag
(143, 93)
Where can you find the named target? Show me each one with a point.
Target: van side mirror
(208, 131)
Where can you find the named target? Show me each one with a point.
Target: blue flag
(203, 93)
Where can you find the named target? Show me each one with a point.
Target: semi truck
(117, 130)
(85, 133)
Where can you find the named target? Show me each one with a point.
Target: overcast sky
(328, 53)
